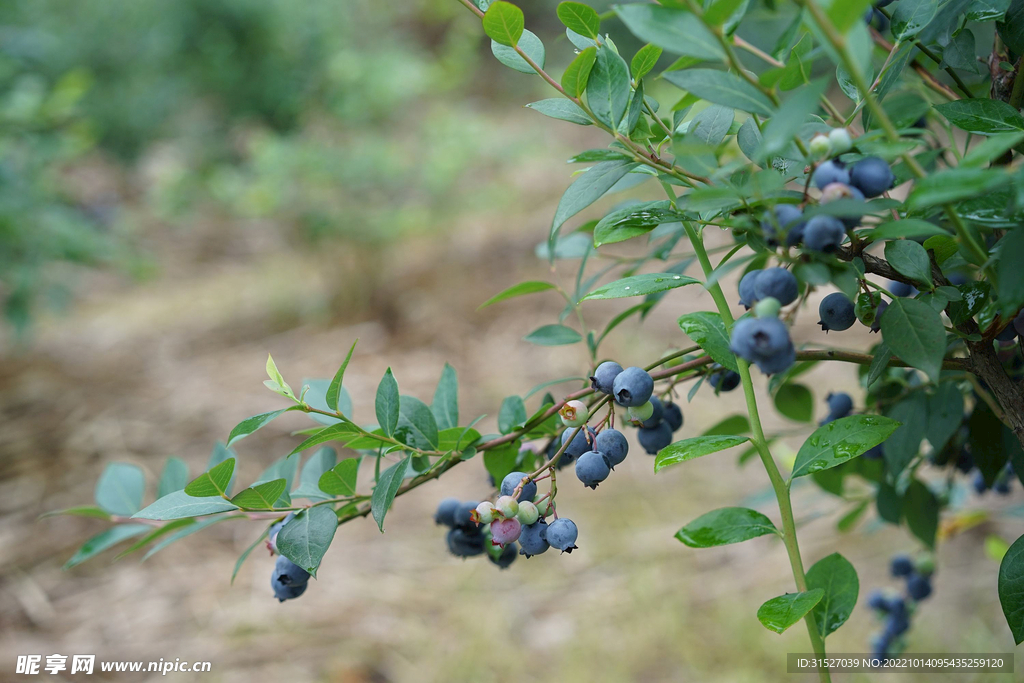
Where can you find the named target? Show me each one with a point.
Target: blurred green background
(186, 186)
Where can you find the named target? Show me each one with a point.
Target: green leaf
(78, 511)
(120, 488)
(306, 538)
(1011, 589)
(789, 119)
(955, 184)
(945, 414)
(334, 390)
(634, 220)
(387, 401)
(457, 438)
(913, 331)
(261, 496)
(154, 534)
(251, 424)
(725, 526)
(841, 440)
(734, 424)
(987, 10)
(173, 478)
(416, 424)
(579, 18)
(528, 43)
(577, 74)
(104, 540)
(344, 431)
(512, 414)
(644, 60)
(695, 447)
(502, 460)
(639, 285)
(780, 613)
(213, 482)
(910, 16)
(907, 227)
(838, 579)
(186, 530)
(845, 14)
(316, 397)
(608, 88)
(982, 116)
(901, 448)
(561, 109)
(675, 30)
(553, 335)
(587, 189)
(445, 405)
(276, 382)
(503, 23)
(1011, 275)
(910, 259)
(309, 482)
(722, 87)
(795, 402)
(385, 490)
(707, 330)
(179, 504)
(921, 510)
(340, 480)
(520, 289)
(879, 363)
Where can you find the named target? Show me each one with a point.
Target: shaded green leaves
(588, 188)
(982, 116)
(1011, 589)
(503, 23)
(722, 87)
(334, 390)
(901, 448)
(910, 259)
(445, 404)
(608, 88)
(695, 447)
(841, 440)
(644, 60)
(1011, 274)
(725, 526)
(921, 510)
(387, 402)
(553, 335)
(179, 504)
(577, 74)
(837, 578)
(520, 289)
(955, 184)
(385, 490)
(119, 489)
(306, 538)
(913, 331)
(675, 30)
(213, 482)
(579, 18)
(639, 285)
(416, 424)
(561, 109)
(910, 16)
(707, 330)
(511, 414)
(780, 613)
(795, 402)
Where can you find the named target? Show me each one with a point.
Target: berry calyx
(574, 413)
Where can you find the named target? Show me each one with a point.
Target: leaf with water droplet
(841, 440)
(640, 285)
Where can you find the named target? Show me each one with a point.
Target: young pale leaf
(644, 60)
(587, 189)
(722, 87)
(179, 504)
(910, 16)
(838, 579)
(982, 116)
(561, 109)
(334, 390)
(512, 414)
(385, 491)
(608, 88)
(553, 335)
(503, 23)
(416, 424)
(913, 331)
(780, 613)
(695, 447)
(841, 440)
(576, 75)
(675, 30)
(120, 488)
(305, 539)
(251, 424)
(213, 482)
(910, 259)
(639, 285)
(725, 526)
(261, 496)
(530, 44)
(707, 330)
(104, 540)
(1011, 589)
(579, 18)
(276, 382)
(445, 404)
(340, 480)
(520, 289)
(387, 402)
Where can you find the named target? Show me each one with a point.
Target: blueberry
(283, 592)
(836, 312)
(872, 176)
(897, 606)
(561, 535)
(878, 601)
(612, 444)
(506, 557)
(876, 324)
(837, 191)
(879, 646)
(896, 625)
(633, 387)
(653, 440)
(673, 415)
(778, 283)
(764, 341)
(1008, 333)
(824, 233)
(1018, 323)
(446, 512)
(533, 539)
(275, 529)
(465, 544)
(901, 565)
(592, 469)
(919, 587)
(747, 286)
(833, 171)
(287, 573)
(511, 481)
(902, 289)
(1002, 486)
(504, 531)
(780, 362)
(839, 404)
(965, 461)
(726, 380)
(656, 416)
(579, 445)
(463, 516)
(979, 483)
(788, 222)
(604, 376)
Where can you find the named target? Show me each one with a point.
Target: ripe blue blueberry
(748, 297)
(283, 592)
(786, 223)
(656, 416)
(561, 534)
(673, 416)
(592, 469)
(901, 565)
(506, 557)
(780, 362)
(965, 461)
(978, 483)
(612, 444)
(919, 586)
(463, 515)
(1008, 333)
(879, 646)
(777, 283)
(511, 481)
(832, 171)
(446, 511)
(764, 341)
(633, 387)
(840, 404)
(824, 234)
(462, 543)
(653, 440)
(533, 539)
(1018, 323)
(878, 601)
(876, 324)
(580, 444)
(836, 312)
(725, 380)
(287, 573)
(604, 376)
(872, 176)
(896, 625)
(902, 289)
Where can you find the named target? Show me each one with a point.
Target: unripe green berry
(637, 414)
(528, 513)
(485, 512)
(925, 565)
(767, 308)
(821, 147)
(574, 414)
(840, 139)
(544, 505)
(507, 506)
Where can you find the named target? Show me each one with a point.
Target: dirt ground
(138, 373)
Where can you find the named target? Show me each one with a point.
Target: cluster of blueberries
(764, 339)
(894, 609)
(1001, 485)
(288, 580)
(633, 389)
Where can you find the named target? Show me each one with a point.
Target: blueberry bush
(867, 155)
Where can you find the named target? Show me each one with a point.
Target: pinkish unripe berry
(505, 531)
